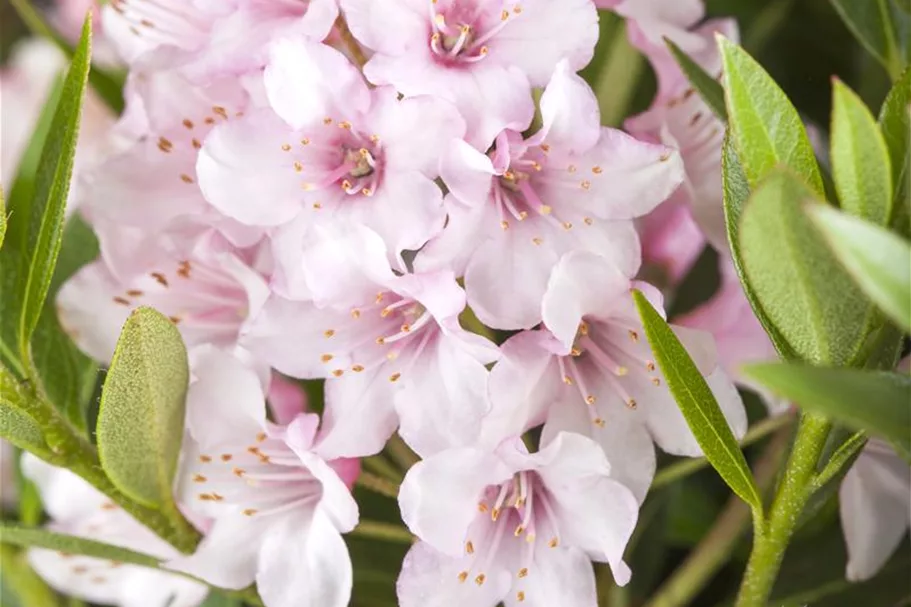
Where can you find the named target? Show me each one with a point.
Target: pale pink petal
(430, 578)
(372, 20)
(529, 41)
(88, 312)
(523, 385)
(360, 415)
(443, 399)
(245, 173)
(597, 514)
(225, 399)
(623, 437)
(304, 563)
(875, 502)
(558, 576)
(439, 496)
(227, 555)
(570, 115)
(581, 283)
(467, 173)
(622, 177)
(307, 81)
(412, 130)
(286, 398)
(465, 229)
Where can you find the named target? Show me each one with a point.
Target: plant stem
(351, 44)
(771, 538)
(378, 484)
(381, 466)
(401, 453)
(685, 467)
(75, 452)
(716, 547)
(383, 531)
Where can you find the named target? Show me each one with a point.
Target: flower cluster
(325, 189)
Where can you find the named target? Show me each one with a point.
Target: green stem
(401, 453)
(73, 451)
(381, 466)
(378, 484)
(685, 467)
(715, 548)
(771, 538)
(383, 531)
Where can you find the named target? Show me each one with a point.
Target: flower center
(461, 32)
(519, 510)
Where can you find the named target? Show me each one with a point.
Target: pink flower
(278, 507)
(671, 241)
(333, 151)
(506, 525)
(147, 179)
(875, 507)
(206, 287)
(592, 371)
(219, 38)
(681, 119)
(482, 55)
(739, 337)
(76, 508)
(391, 346)
(571, 186)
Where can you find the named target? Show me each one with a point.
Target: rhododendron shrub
(313, 303)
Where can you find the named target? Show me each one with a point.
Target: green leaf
(876, 25)
(39, 249)
(140, 421)
(895, 123)
(16, 425)
(33, 537)
(878, 260)
(736, 193)
(807, 296)
(708, 88)
(698, 405)
(766, 129)
(860, 160)
(20, 584)
(876, 401)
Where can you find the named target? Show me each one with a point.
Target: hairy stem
(771, 538)
(716, 547)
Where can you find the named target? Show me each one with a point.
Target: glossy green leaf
(141, 417)
(698, 405)
(876, 401)
(876, 24)
(703, 83)
(860, 160)
(736, 193)
(39, 249)
(766, 129)
(878, 260)
(807, 296)
(895, 123)
(18, 535)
